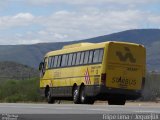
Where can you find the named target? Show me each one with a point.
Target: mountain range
(16, 71)
(31, 55)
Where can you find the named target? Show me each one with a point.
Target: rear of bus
(125, 72)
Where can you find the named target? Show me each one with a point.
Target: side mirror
(41, 65)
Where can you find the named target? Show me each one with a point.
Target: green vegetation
(19, 83)
(152, 87)
(28, 90)
(16, 71)
(20, 91)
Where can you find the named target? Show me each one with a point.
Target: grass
(152, 87)
(20, 91)
(28, 90)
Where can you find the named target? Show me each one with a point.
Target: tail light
(143, 82)
(103, 78)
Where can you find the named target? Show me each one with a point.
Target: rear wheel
(76, 98)
(83, 98)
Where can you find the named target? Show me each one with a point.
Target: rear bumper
(102, 92)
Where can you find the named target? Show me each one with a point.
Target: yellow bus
(85, 72)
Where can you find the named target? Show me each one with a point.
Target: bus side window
(74, 58)
(45, 63)
(55, 61)
(59, 61)
(63, 60)
(82, 58)
(49, 59)
(52, 62)
(90, 57)
(67, 58)
(86, 56)
(100, 55)
(70, 59)
(96, 55)
(78, 58)
(49, 62)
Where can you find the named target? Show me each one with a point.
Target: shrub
(20, 91)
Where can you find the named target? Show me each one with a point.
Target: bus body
(85, 72)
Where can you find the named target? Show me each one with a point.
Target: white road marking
(78, 108)
(68, 109)
(60, 108)
(143, 112)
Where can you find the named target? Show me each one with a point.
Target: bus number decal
(123, 81)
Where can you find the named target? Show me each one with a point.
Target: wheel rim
(49, 95)
(75, 94)
(83, 96)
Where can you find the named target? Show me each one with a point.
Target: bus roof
(77, 45)
(84, 46)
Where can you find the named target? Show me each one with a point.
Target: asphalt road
(50, 109)
(21, 108)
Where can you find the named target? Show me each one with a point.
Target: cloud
(91, 2)
(21, 19)
(88, 20)
(65, 25)
(80, 25)
(154, 19)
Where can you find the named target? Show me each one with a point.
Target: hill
(11, 70)
(148, 37)
(31, 55)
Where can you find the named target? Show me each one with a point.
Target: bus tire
(50, 99)
(48, 95)
(83, 98)
(116, 101)
(76, 98)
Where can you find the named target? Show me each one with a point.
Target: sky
(41, 21)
